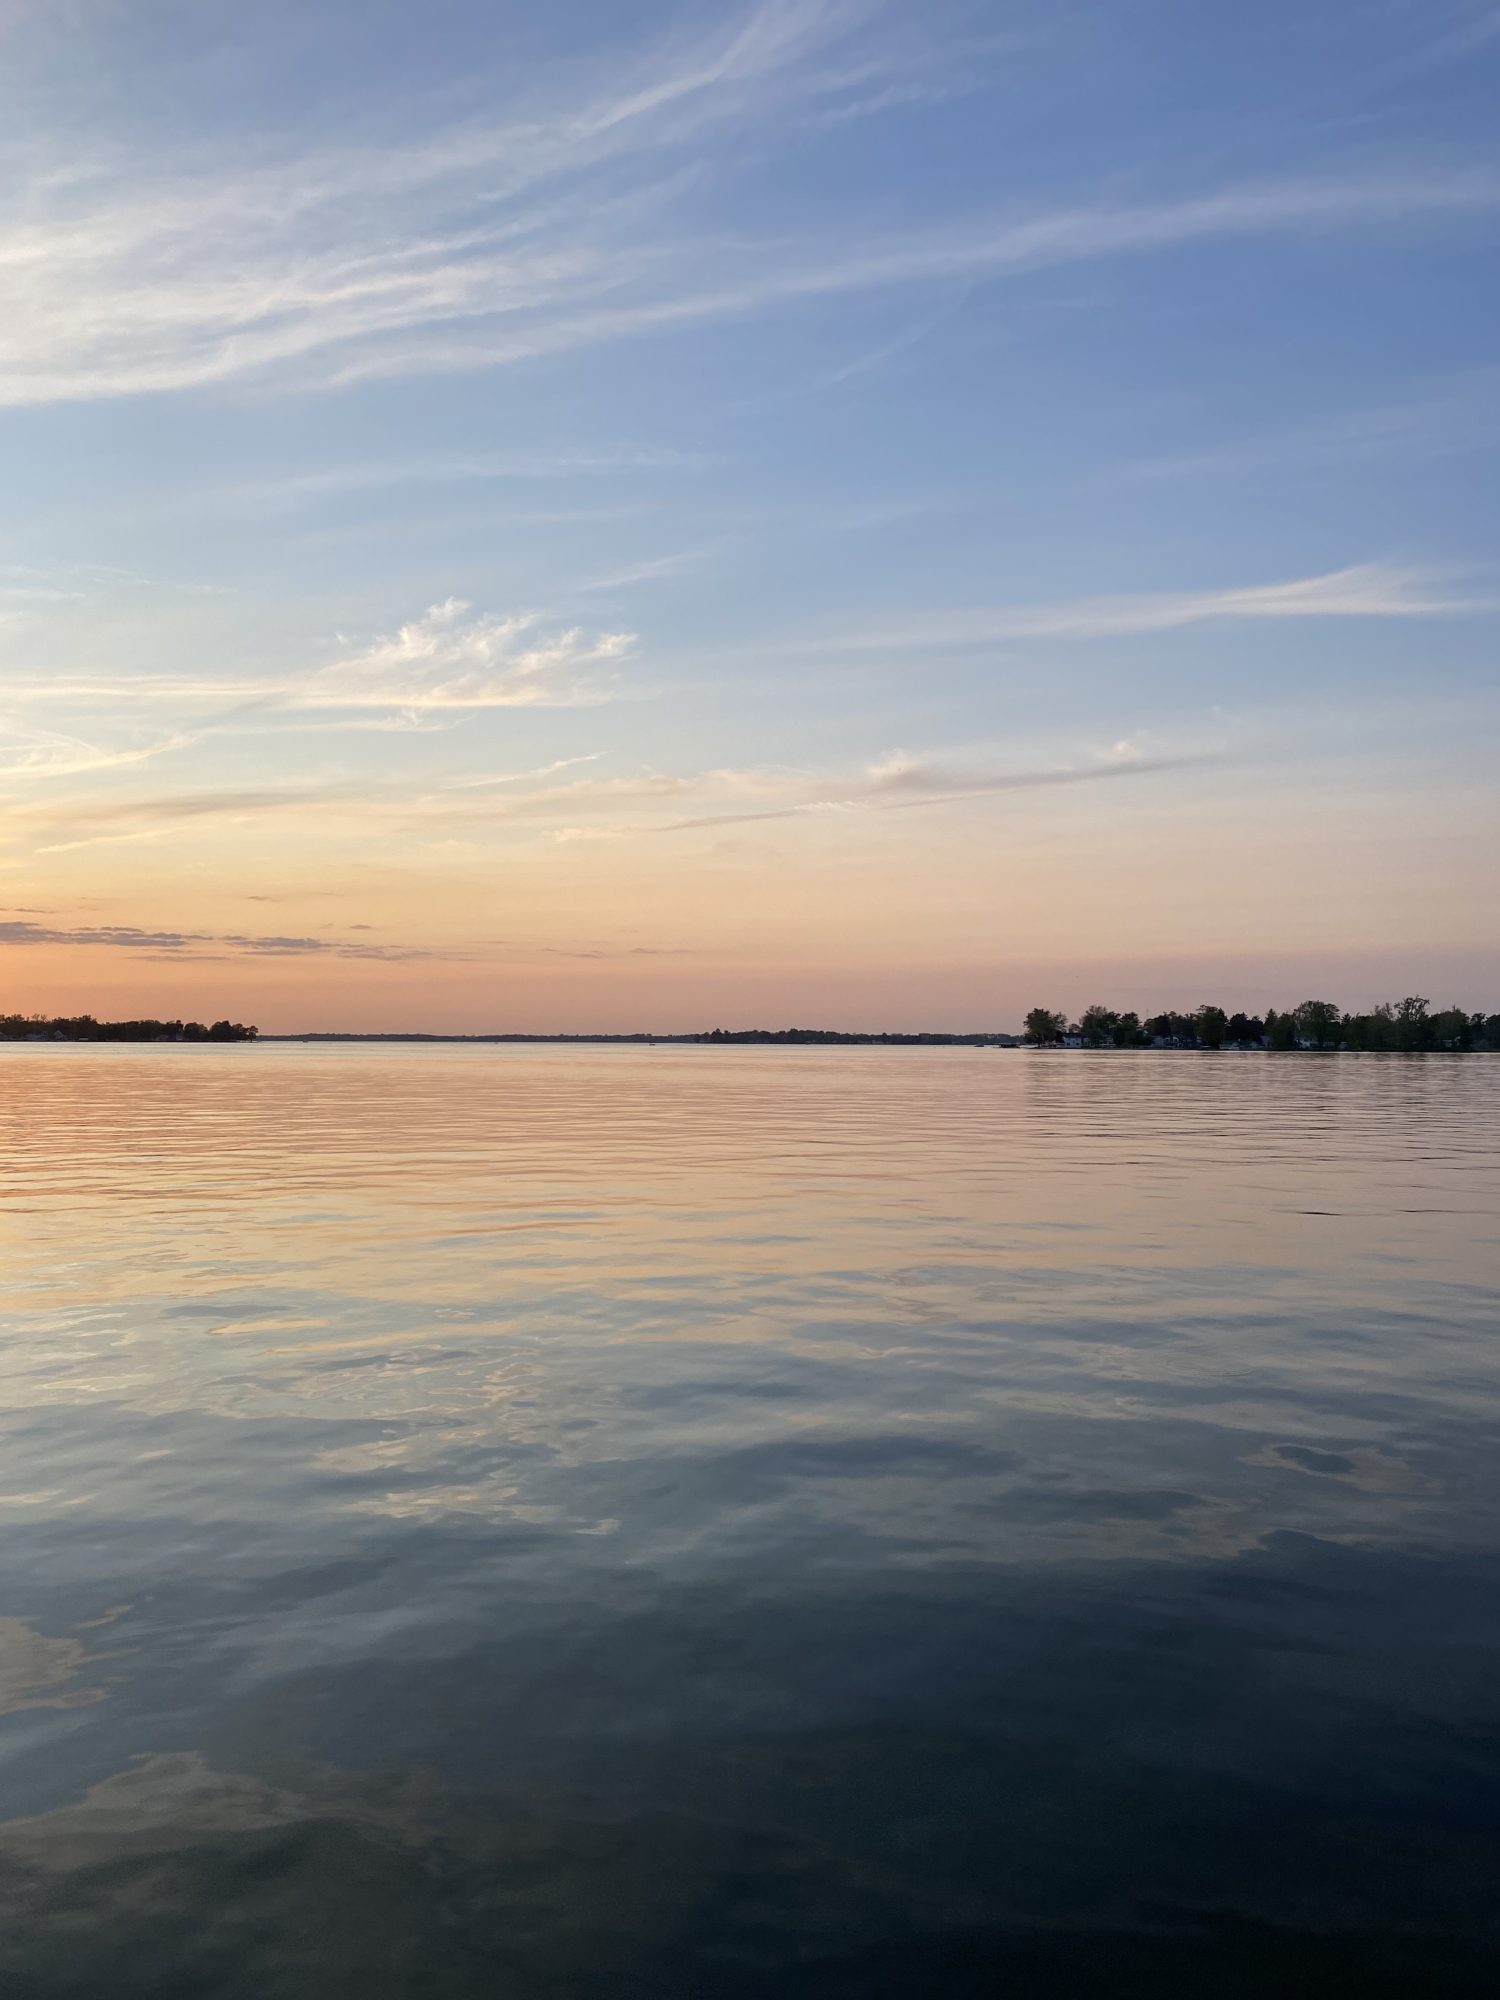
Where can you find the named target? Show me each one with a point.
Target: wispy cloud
(1368, 590)
(517, 236)
(447, 659)
(761, 278)
(1460, 416)
(168, 278)
(653, 569)
(548, 804)
(28, 753)
(593, 808)
(75, 824)
(450, 659)
(905, 785)
(462, 806)
(1426, 36)
(492, 780)
(451, 662)
(889, 97)
(310, 489)
(195, 944)
(613, 951)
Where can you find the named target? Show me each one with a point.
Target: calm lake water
(559, 1522)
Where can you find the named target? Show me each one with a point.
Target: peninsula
(84, 1028)
(1408, 1025)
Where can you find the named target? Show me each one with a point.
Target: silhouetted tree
(1413, 1026)
(84, 1028)
(1318, 1022)
(1407, 1024)
(1211, 1025)
(1375, 1030)
(1097, 1026)
(1043, 1026)
(1173, 1028)
(1451, 1029)
(1281, 1030)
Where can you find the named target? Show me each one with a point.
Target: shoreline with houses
(1408, 1026)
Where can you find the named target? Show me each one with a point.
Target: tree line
(1409, 1025)
(84, 1028)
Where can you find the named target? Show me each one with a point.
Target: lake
(648, 1522)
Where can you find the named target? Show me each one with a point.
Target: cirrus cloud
(551, 227)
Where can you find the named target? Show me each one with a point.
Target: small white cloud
(447, 659)
(1127, 750)
(898, 772)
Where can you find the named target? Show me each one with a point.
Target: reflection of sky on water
(720, 1517)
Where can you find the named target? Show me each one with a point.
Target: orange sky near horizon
(957, 918)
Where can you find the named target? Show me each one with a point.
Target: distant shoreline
(894, 1041)
(403, 1039)
(713, 1038)
(707, 1041)
(84, 1029)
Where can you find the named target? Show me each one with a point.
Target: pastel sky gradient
(621, 515)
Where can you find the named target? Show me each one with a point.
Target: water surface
(642, 1522)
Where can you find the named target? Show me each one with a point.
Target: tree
(1451, 1029)
(1281, 1030)
(1211, 1024)
(1408, 1024)
(1318, 1022)
(1413, 1028)
(1097, 1026)
(1043, 1026)
(1177, 1028)
(84, 1028)
(1375, 1030)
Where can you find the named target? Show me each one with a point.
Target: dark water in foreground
(640, 1523)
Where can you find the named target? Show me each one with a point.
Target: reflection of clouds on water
(39, 1672)
(162, 1799)
(1373, 1468)
(608, 1786)
(586, 1515)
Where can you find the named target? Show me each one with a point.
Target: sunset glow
(811, 512)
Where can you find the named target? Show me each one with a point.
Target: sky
(803, 512)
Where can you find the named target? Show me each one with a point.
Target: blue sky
(815, 509)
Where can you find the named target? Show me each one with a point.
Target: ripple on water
(697, 1521)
